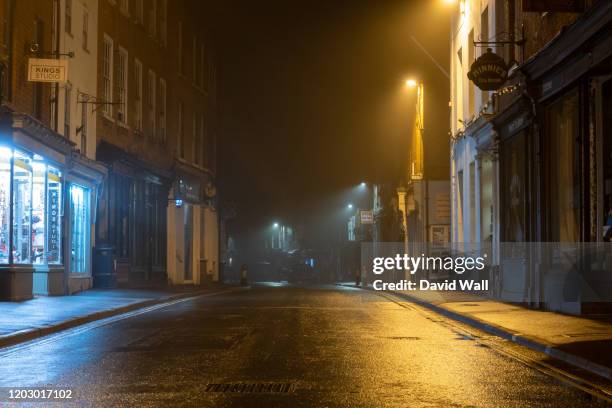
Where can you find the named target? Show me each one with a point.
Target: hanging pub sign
(489, 71)
(542, 6)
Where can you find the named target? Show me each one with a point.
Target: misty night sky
(312, 99)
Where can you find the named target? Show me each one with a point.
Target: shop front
(83, 184)
(554, 155)
(33, 165)
(192, 230)
(131, 220)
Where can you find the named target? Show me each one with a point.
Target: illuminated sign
(489, 72)
(47, 70)
(53, 235)
(367, 217)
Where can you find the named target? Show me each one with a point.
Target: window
(6, 27)
(5, 200)
(459, 206)
(163, 22)
(138, 95)
(213, 83)
(180, 48)
(194, 61)
(38, 211)
(472, 194)
(201, 151)
(202, 72)
(67, 97)
(139, 11)
(194, 138)
(179, 135)
(470, 84)
(85, 28)
(107, 75)
(563, 133)
(151, 102)
(79, 224)
(84, 128)
(68, 16)
(37, 99)
(122, 85)
(486, 200)
(484, 36)
(36, 207)
(153, 19)
(513, 169)
(124, 6)
(22, 207)
(162, 109)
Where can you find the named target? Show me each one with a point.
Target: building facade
(45, 236)
(156, 130)
(529, 159)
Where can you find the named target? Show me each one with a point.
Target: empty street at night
(329, 346)
(305, 203)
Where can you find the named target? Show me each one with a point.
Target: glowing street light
(275, 225)
(411, 83)
(363, 184)
(350, 206)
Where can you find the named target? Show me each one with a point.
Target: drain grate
(277, 388)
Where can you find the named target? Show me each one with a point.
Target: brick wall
(19, 31)
(540, 28)
(189, 88)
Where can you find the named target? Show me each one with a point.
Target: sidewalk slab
(23, 321)
(580, 341)
(584, 342)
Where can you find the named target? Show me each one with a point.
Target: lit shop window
(22, 208)
(5, 199)
(54, 201)
(79, 213)
(38, 211)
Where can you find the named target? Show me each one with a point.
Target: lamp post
(417, 170)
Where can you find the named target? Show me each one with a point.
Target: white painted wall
(464, 148)
(211, 242)
(82, 70)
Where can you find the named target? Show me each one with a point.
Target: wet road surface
(277, 345)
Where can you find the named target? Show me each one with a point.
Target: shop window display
(36, 209)
(79, 212)
(38, 212)
(5, 200)
(22, 208)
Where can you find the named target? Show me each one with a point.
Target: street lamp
(363, 184)
(411, 83)
(350, 206)
(275, 225)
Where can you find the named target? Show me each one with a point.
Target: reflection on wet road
(278, 345)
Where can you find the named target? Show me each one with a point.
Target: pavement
(43, 315)
(582, 341)
(280, 345)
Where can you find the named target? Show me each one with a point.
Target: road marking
(560, 375)
(54, 337)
